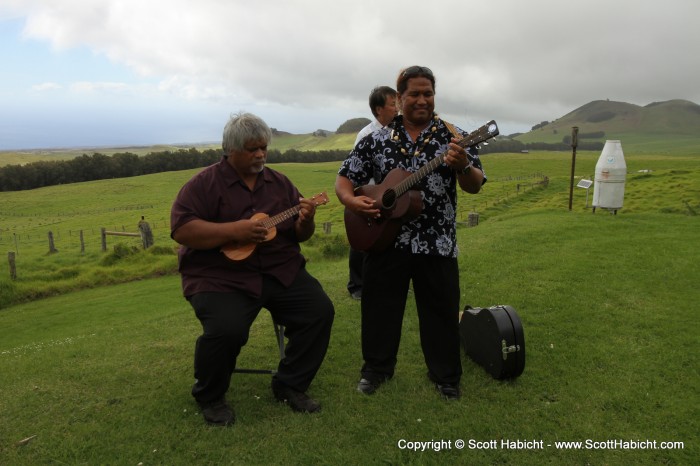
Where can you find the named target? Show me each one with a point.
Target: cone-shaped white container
(610, 175)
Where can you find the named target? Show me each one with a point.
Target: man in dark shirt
(382, 103)
(212, 214)
(424, 252)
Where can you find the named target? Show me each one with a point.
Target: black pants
(387, 276)
(356, 260)
(303, 309)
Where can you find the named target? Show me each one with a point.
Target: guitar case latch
(508, 349)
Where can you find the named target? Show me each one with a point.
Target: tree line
(123, 165)
(126, 164)
(511, 145)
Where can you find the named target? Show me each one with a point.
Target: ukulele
(397, 202)
(236, 250)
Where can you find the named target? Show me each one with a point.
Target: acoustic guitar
(397, 202)
(236, 250)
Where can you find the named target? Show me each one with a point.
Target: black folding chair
(279, 334)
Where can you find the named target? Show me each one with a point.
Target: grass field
(100, 371)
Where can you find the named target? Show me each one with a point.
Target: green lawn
(100, 372)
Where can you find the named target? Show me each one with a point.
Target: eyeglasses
(413, 70)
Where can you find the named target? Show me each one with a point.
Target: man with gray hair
(233, 264)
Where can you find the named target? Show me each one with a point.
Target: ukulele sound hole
(388, 199)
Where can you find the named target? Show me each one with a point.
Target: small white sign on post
(586, 184)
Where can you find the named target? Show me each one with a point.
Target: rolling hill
(672, 126)
(659, 126)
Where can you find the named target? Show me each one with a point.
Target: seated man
(214, 209)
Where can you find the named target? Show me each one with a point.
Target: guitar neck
(487, 131)
(269, 222)
(275, 220)
(418, 175)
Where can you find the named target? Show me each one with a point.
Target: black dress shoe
(298, 401)
(369, 386)
(218, 413)
(448, 391)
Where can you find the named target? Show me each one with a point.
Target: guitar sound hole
(388, 199)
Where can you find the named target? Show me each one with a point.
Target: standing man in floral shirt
(425, 250)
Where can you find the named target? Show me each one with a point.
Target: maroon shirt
(218, 194)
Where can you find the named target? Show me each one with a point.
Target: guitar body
(376, 234)
(397, 202)
(237, 251)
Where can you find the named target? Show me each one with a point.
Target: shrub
(600, 116)
(119, 252)
(326, 246)
(162, 250)
(334, 247)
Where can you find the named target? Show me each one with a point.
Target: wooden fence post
(146, 233)
(82, 243)
(117, 233)
(13, 268)
(52, 247)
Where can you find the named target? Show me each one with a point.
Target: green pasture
(98, 371)
(639, 143)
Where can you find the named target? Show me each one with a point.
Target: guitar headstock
(481, 134)
(320, 198)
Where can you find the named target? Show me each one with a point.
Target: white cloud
(43, 87)
(519, 62)
(85, 87)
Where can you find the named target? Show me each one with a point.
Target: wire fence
(75, 213)
(29, 238)
(498, 191)
(78, 241)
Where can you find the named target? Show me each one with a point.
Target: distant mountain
(276, 132)
(604, 119)
(672, 126)
(660, 127)
(353, 125)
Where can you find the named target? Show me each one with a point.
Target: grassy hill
(661, 127)
(97, 367)
(668, 184)
(671, 127)
(99, 371)
(309, 142)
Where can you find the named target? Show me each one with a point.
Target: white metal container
(610, 174)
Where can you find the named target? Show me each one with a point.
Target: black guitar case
(493, 337)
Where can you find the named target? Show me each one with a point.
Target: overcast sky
(141, 72)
